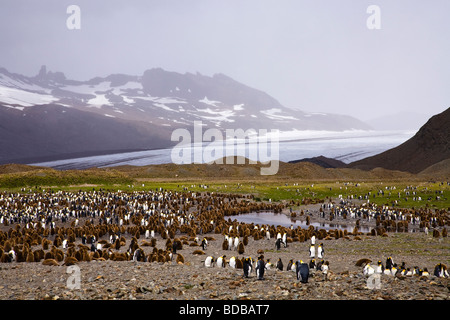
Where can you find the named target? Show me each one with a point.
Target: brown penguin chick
(96, 255)
(70, 261)
(145, 243)
(49, 255)
(79, 255)
(86, 256)
(44, 244)
(30, 256)
(50, 262)
(241, 248)
(180, 259)
(362, 262)
(38, 255)
(239, 264)
(117, 244)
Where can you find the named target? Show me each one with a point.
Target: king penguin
(302, 272)
(247, 266)
(232, 262)
(204, 244)
(312, 264)
(368, 270)
(260, 267)
(289, 265)
(268, 265)
(209, 261)
(278, 244)
(440, 271)
(320, 251)
(312, 251)
(280, 264)
(389, 263)
(220, 263)
(380, 268)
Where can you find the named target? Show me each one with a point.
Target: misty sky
(312, 55)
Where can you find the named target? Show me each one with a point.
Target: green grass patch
(60, 179)
(434, 195)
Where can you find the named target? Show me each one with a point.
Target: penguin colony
(390, 268)
(45, 226)
(386, 219)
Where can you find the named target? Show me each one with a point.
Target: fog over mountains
(51, 117)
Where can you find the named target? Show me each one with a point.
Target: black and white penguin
(312, 263)
(278, 244)
(279, 264)
(368, 270)
(268, 265)
(236, 242)
(325, 268)
(247, 266)
(260, 267)
(408, 273)
(204, 243)
(209, 262)
(302, 272)
(440, 271)
(313, 240)
(389, 263)
(319, 265)
(220, 263)
(380, 268)
(320, 251)
(289, 265)
(394, 270)
(230, 243)
(232, 262)
(139, 255)
(312, 251)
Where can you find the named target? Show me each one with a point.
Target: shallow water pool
(270, 218)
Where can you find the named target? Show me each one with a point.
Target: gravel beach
(129, 280)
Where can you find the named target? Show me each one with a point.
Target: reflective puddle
(270, 218)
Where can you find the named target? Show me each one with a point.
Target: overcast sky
(313, 55)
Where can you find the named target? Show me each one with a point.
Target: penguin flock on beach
(103, 221)
(392, 269)
(387, 219)
(64, 228)
(261, 265)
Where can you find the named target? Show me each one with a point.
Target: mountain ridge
(134, 112)
(429, 146)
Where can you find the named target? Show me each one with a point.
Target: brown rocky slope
(430, 145)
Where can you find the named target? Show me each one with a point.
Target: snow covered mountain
(149, 106)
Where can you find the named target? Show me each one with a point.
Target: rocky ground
(100, 280)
